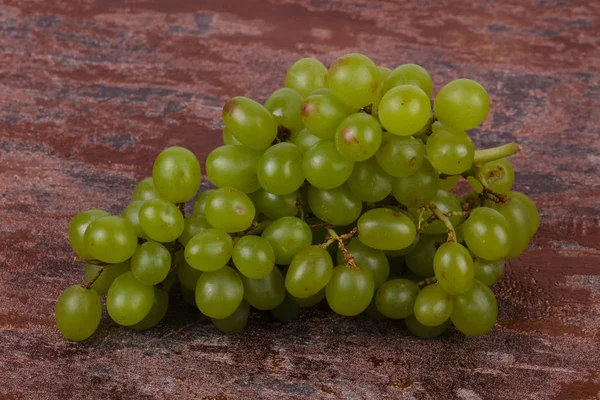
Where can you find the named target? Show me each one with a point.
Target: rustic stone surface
(91, 90)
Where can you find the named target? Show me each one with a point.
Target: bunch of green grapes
(338, 189)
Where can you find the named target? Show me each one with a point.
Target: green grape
(336, 206)
(235, 322)
(400, 156)
(161, 220)
(230, 209)
(131, 213)
(321, 114)
(233, 166)
(188, 276)
(264, 293)
(228, 138)
(309, 272)
(424, 331)
(109, 273)
(368, 182)
(280, 169)
(409, 74)
(395, 299)
(193, 224)
(151, 263)
(498, 174)
(488, 272)
(219, 293)
(287, 236)
(324, 167)
(474, 312)
(275, 206)
(209, 250)
(453, 268)
(532, 209)
(128, 300)
(386, 229)
(433, 305)
(403, 252)
(445, 202)
(287, 311)
(404, 110)
(349, 290)
(519, 223)
(462, 103)
(249, 122)
(448, 183)
(450, 151)
(253, 256)
(372, 312)
(487, 234)
(305, 140)
(324, 90)
(77, 228)
(354, 79)
(369, 258)
(176, 174)
(110, 239)
(145, 190)
(309, 301)
(358, 137)
(78, 313)
(200, 203)
(285, 105)
(306, 75)
(420, 260)
(157, 312)
(384, 72)
(417, 189)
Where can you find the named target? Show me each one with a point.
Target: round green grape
(230, 209)
(131, 213)
(78, 313)
(110, 239)
(404, 110)
(128, 300)
(386, 229)
(433, 305)
(77, 228)
(188, 276)
(176, 174)
(265, 293)
(417, 189)
(109, 273)
(305, 140)
(424, 331)
(145, 190)
(369, 258)
(450, 151)
(287, 311)
(519, 223)
(253, 256)
(234, 166)
(324, 167)
(235, 322)
(368, 182)
(306, 75)
(354, 79)
(420, 259)
(383, 72)
(249, 122)
(453, 268)
(488, 272)
(395, 299)
(336, 206)
(409, 74)
(219, 293)
(275, 206)
(309, 272)
(161, 220)
(475, 312)
(358, 137)
(193, 224)
(534, 215)
(156, 313)
(200, 203)
(400, 156)
(321, 114)
(487, 234)
(285, 105)
(287, 236)
(498, 174)
(462, 103)
(151, 263)
(349, 290)
(209, 250)
(279, 169)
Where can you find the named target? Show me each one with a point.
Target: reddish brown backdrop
(90, 91)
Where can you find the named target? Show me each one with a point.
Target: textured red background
(90, 91)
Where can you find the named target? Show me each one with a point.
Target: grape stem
(428, 281)
(348, 257)
(495, 153)
(257, 227)
(319, 225)
(444, 218)
(95, 278)
(493, 195)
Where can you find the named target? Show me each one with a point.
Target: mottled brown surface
(91, 90)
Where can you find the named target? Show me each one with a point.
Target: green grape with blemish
(322, 113)
(219, 293)
(386, 229)
(404, 110)
(253, 256)
(499, 175)
(230, 209)
(358, 137)
(367, 257)
(235, 322)
(77, 228)
(417, 189)
(475, 312)
(265, 293)
(369, 182)
(324, 167)
(176, 174)
(309, 272)
(279, 169)
(400, 156)
(234, 166)
(287, 236)
(306, 75)
(453, 266)
(161, 220)
(450, 150)
(209, 250)
(250, 123)
(128, 300)
(349, 291)
(110, 239)
(354, 79)
(487, 234)
(285, 105)
(433, 305)
(151, 263)
(462, 103)
(78, 313)
(337, 206)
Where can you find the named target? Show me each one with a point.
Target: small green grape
(78, 313)
(151, 263)
(400, 156)
(487, 234)
(161, 220)
(349, 291)
(409, 74)
(285, 105)
(287, 236)
(265, 293)
(230, 209)
(475, 312)
(249, 122)
(354, 79)
(450, 151)
(358, 137)
(209, 250)
(433, 305)
(488, 272)
(519, 223)
(128, 300)
(462, 103)
(253, 256)
(280, 169)
(305, 140)
(77, 228)
(109, 273)
(420, 259)
(234, 166)
(188, 276)
(309, 272)
(193, 224)
(131, 213)
(337, 206)
(453, 268)
(424, 331)
(235, 322)
(324, 167)
(321, 114)
(404, 110)
(156, 313)
(366, 257)
(498, 174)
(368, 182)
(417, 189)
(386, 229)
(534, 215)
(306, 75)
(395, 299)
(110, 239)
(287, 311)
(200, 203)
(145, 190)
(219, 293)
(275, 206)
(176, 174)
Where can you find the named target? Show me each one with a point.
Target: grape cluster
(337, 188)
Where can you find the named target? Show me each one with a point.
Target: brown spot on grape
(307, 108)
(240, 210)
(412, 162)
(348, 136)
(375, 86)
(230, 107)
